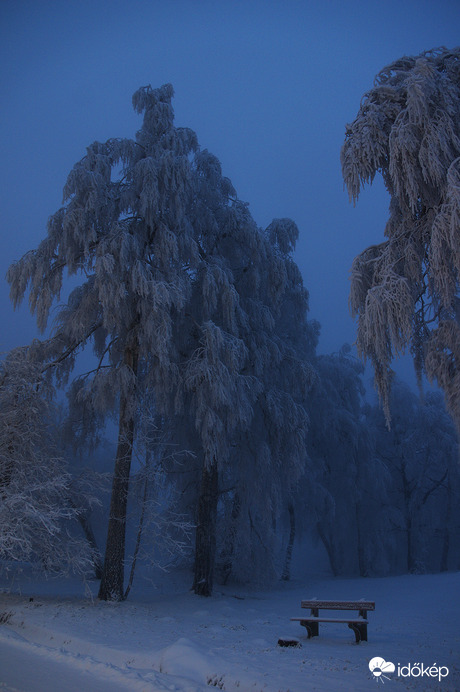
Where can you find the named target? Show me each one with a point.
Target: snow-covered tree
(162, 534)
(340, 446)
(234, 355)
(124, 231)
(381, 501)
(405, 290)
(420, 453)
(178, 286)
(272, 455)
(36, 497)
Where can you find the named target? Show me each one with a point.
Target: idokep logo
(420, 670)
(379, 668)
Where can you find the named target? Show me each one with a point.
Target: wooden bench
(357, 624)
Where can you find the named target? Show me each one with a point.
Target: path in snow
(24, 670)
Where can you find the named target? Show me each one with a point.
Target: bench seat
(338, 605)
(311, 624)
(315, 619)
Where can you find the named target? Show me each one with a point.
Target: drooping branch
(408, 129)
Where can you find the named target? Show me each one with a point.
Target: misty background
(267, 86)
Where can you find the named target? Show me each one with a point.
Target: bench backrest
(339, 605)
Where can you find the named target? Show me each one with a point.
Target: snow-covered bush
(36, 508)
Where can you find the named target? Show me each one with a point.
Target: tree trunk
(408, 494)
(328, 544)
(205, 545)
(362, 562)
(228, 552)
(85, 523)
(111, 587)
(140, 528)
(446, 532)
(411, 563)
(7, 470)
(287, 562)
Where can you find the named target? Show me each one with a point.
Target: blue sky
(267, 86)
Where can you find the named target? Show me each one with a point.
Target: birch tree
(272, 454)
(231, 347)
(179, 295)
(404, 290)
(123, 230)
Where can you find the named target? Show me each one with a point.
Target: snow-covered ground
(169, 639)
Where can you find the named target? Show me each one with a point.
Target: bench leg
(360, 631)
(311, 627)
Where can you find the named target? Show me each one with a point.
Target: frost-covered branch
(408, 129)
